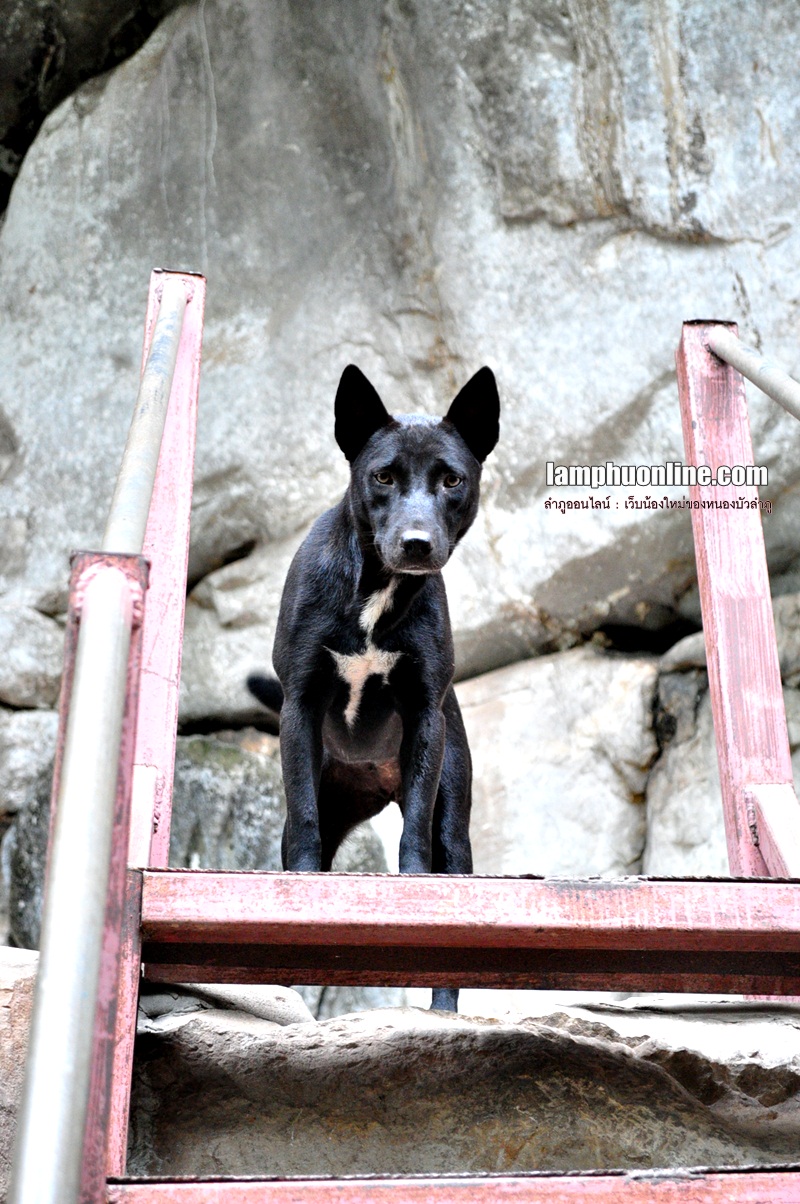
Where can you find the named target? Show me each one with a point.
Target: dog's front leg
(421, 756)
(301, 761)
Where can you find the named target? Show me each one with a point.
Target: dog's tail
(267, 690)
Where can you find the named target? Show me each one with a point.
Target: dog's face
(415, 481)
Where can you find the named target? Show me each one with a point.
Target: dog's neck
(378, 590)
(390, 594)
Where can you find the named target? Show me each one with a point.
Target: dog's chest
(355, 668)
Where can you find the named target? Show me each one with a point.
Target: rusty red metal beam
(662, 1187)
(744, 675)
(114, 941)
(637, 934)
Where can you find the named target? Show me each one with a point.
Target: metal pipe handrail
(48, 1151)
(127, 517)
(763, 373)
(47, 1163)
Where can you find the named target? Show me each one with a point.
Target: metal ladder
(739, 934)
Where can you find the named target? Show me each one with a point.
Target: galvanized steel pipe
(47, 1162)
(130, 506)
(765, 375)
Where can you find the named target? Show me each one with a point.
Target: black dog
(363, 647)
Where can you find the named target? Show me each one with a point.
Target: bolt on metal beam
(764, 374)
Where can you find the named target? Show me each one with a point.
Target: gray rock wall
(421, 189)
(48, 47)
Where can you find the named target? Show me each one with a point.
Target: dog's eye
(384, 477)
(451, 480)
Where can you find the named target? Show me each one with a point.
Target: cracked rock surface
(421, 189)
(408, 1092)
(561, 748)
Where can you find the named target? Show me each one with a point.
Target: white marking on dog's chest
(356, 667)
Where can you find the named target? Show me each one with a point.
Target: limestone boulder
(561, 749)
(228, 813)
(685, 825)
(17, 982)
(409, 1092)
(164, 1007)
(48, 47)
(740, 1058)
(33, 654)
(27, 744)
(421, 189)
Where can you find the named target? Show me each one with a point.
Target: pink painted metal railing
(662, 1187)
(762, 815)
(60, 1153)
(643, 934)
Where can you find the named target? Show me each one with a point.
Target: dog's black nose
(417, 545)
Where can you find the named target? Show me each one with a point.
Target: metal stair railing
(762, 814)
(91, 797)
(740, 934)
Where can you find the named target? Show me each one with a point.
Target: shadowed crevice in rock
(9, 447)
(261, 720)
(657, 639)
(48, 48)
(229, 556)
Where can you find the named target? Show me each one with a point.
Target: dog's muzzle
(414, 551)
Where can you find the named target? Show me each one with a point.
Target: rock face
(162, 1008)
(738, 1058)
(25, 862)
(228, 802)
(420, 188)
(561, 749)
(47, 48)
(685, 826)
(406, 1092)
(27, 744)
(17, 980)
(228, 813)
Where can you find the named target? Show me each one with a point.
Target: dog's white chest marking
(356, 667)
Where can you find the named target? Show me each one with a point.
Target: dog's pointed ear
(475, 414)
(359, 412)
